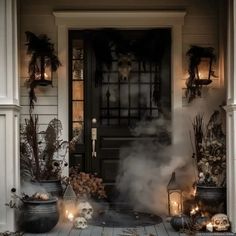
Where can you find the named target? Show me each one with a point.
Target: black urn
(180, 222)
(38, 216)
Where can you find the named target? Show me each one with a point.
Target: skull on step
(220, 222)
(85, 210)
(80, 223)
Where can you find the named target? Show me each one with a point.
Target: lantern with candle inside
(69, 203)
(200, 70)
(174, 192)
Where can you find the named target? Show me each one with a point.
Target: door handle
(94, 138)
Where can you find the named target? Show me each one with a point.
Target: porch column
(231, 114)
(9, 112)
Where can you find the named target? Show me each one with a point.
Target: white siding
(201, 28)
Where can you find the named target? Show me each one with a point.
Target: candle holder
(175, 201)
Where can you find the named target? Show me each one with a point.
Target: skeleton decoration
(80, 223)
(124, 65)
(85, 210)
(220, 222)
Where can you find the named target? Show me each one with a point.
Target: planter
(209, 194)
(39, 216)
(53, 187)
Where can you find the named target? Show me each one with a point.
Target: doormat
(124, 218)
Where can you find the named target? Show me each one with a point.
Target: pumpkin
(180, 222)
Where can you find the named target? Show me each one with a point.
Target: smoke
(147, 164)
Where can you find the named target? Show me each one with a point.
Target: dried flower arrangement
(86, 185)
(42, 155)
(210, 150)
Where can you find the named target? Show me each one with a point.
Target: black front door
(113, 86)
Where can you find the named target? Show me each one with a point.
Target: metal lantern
(200, 70)
(175, 201)
(69, 198)
(43, 77)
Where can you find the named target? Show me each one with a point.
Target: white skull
(85, 210)
(80, 223)
(220, 222)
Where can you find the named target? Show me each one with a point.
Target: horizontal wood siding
(201, 28)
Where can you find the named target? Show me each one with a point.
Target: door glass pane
(78, 111)
(78, 70)
(78, 132)
(78, 90)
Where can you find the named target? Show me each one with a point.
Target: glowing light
(175, 209)
(209, 227)
(69, 216)
(194, 211)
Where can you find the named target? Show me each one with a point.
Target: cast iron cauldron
(39, 216)
(53, 187)
(210, 194)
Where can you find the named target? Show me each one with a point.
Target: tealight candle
(209, 227)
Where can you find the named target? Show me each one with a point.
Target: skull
(124, 66)
(220, 222)
(85, 210)
(80, 223)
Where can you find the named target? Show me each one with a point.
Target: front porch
(162, 229)
(54, 102)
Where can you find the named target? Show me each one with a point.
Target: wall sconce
(42, 64)
(200, 70)
(175, 201)
(69, 203)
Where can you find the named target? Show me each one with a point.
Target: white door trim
(66, 20)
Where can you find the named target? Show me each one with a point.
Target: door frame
(66, 20)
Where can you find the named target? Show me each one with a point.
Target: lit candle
(70, 217)
(175, 208)
(209, 227)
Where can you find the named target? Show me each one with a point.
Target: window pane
(78, 90)
(124, 98)
(77, 51)
(78, 132)
(77, 70)
(78, 111)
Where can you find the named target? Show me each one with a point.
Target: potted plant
(210, 159)
(42, 64)
(42, 154)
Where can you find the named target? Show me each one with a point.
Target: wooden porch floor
(163, 229)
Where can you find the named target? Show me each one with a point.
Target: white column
(231, 114)
(9, 112)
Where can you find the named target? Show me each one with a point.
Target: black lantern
(175, 202)
(200, 70)
(42, 64)
(69, 203)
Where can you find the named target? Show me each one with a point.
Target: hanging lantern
(200, 70)
(69, 198)
(175, 202)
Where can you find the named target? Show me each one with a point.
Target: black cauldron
(211, 194)
(53, 187)
(38, 216)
